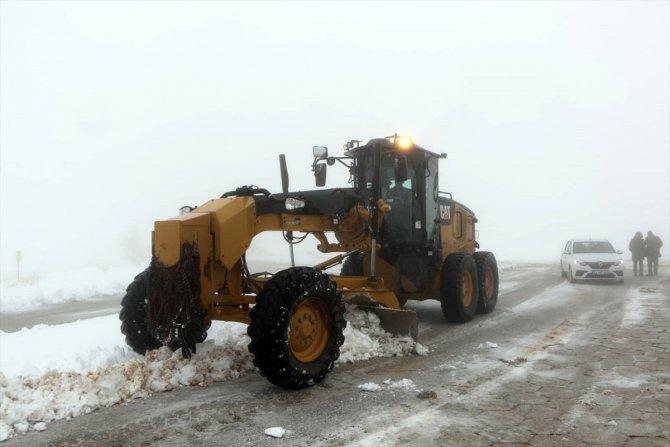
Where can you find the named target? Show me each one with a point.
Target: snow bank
(60, 287)
(365, 339)
(63, 371)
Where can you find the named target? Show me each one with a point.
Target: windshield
(409, 184)
(593, 247)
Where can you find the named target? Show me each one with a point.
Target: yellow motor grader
(396, 235)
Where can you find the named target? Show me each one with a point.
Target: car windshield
(593, 247)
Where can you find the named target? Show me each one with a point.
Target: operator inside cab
(408, 183)
(399, 195)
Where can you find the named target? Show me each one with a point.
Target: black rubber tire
(133, 316)
(572, 278)
(488, 296)
(353, 265)
(271, 318)
(459, 274)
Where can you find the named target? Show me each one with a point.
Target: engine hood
(596, 257)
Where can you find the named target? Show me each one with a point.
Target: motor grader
(397, 236)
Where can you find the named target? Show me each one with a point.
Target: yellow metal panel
(233, 222)
(230, 313)
(383, 296)
(170, 234)
(352, 286)
(167, 241)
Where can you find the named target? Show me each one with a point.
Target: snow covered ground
(72, 369)
(64, 286)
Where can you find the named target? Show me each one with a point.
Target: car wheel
(572, 278)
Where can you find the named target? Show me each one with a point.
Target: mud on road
(557, 364)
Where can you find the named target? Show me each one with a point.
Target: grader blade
(395, 321)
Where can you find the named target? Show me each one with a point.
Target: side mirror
(320, 174)
(619, 252)
(320, 152)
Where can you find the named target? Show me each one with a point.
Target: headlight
(582, 263)
(404, 143)
(294, 204)
(185, 209)
(618, 263)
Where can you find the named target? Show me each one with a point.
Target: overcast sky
(555, 115)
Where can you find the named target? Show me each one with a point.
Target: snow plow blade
(394, 321)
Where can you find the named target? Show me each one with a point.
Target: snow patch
(402, 383)
(275, 432)
(75, 368)
(364, 339)
(370, 387)
(640, 304)
(550, 295)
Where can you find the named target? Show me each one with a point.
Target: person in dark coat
(654, 245)
(638, 249)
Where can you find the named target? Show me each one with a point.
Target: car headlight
(582, 263)
(618, 263)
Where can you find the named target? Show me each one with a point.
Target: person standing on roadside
(654, 245)
(638, 248)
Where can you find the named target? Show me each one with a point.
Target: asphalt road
(61, 313)
(556, 364)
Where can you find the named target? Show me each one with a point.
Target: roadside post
(18, 264)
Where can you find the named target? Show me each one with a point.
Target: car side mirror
(320, 174)
(619, 252)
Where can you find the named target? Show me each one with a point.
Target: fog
(554, 115)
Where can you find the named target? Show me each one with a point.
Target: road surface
(556, 364)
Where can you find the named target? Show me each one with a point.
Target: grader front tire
(133, 316)
(297, 328)
(135, 323)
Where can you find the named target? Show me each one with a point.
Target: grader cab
(398, 237)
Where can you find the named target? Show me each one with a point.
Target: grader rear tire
(459, 288)
(487, 274)
(297, 328)
(133, 316)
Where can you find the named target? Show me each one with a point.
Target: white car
(592, 259)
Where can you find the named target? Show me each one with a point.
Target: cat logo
(445, 212)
